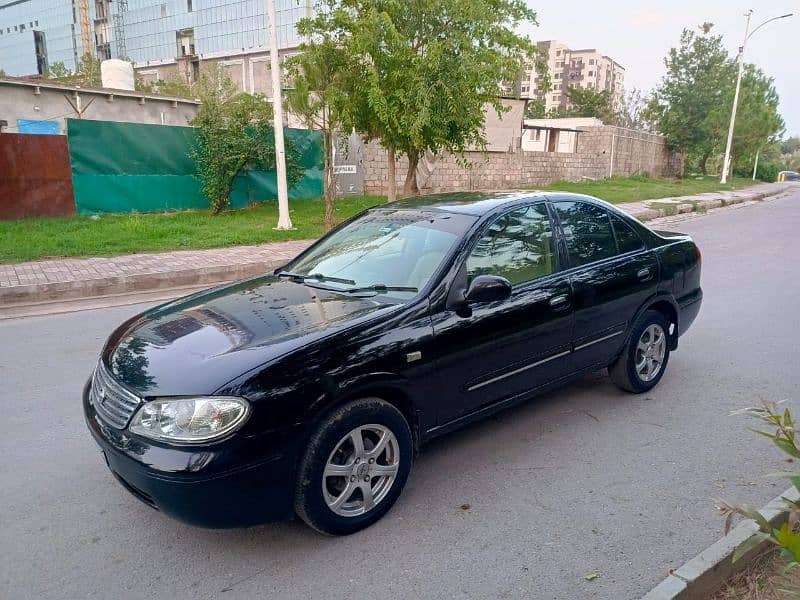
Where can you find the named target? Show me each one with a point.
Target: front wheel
(643, 361)
(354, 467)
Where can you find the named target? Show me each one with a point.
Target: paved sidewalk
(75, 278)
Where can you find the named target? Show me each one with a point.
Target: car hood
(196, 344)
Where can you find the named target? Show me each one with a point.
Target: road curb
(703, 576)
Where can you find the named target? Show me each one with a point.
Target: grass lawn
(632, 189)
(108, 235)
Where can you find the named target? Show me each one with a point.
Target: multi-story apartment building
(586, 68)
(160, 37)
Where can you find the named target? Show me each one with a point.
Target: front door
(612, 273)
(500, 350)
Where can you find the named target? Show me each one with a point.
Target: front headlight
(190, 420)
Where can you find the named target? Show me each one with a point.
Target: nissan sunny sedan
(310, 390)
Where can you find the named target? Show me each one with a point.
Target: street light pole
(726, 163)
(284, 221)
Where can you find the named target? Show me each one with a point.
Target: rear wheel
(643, 361)
(354, 467)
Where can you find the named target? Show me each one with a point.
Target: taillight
(699, 256)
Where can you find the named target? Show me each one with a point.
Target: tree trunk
(410, 186)
(683, 163)
(329, 185)
(392, 176)
(703, 161)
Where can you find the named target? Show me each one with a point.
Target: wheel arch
(387, 387)
(667, 306)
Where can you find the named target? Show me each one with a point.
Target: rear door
(611, 273)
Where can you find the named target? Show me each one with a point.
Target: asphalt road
(585, 480)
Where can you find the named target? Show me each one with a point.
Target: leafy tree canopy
(425, 69)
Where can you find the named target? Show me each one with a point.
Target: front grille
(112, 402)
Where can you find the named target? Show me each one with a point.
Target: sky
(638, 34)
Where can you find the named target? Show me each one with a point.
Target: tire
(336, 480)
(629, 372)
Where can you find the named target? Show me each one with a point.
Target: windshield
(384, 251)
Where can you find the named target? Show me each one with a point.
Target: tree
(320, 76)
(234, 133)
(586, 102)
(535, 109)
(427, 68)
(86, 73)
(631, 112)
(790, 145)
(698, 76)
(174, 85)
(758, 122)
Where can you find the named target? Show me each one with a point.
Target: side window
(587, 232)
(517, 246)
(627, 239)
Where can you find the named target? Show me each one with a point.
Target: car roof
(479, 203)
(468, 203)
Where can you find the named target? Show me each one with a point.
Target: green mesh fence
(126, 167)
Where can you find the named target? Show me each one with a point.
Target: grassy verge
(108, 235)
(765, 579)
(633, 189)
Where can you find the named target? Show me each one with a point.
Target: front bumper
(239, 482)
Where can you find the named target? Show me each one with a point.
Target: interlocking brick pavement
(64, 270)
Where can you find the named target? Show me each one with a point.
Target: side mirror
(488, 288)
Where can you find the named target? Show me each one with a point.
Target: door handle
(559, 301)
(644, 274)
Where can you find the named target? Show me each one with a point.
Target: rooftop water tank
(117, 74)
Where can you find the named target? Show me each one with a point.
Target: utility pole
(726, 163)
(755, 166)
(284, 221)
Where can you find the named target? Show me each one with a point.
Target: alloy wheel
(650, 352)
(361, 470)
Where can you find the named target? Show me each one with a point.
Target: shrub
(782, 432)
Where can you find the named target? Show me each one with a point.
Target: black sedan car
(309, 390)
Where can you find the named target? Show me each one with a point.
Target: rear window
(627, 238)
(587, 231)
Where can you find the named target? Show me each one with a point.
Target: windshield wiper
(382, 288)
(316, 277)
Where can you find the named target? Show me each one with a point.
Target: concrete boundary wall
(633, 152)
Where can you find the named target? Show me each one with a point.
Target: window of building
(517, 246)
(15, 28)
(22, 27)
(587, 230)
(591, 61)
(558, 52)
(557, 76)
(163, 10)
(37, 23)
(189, 5)
(537, 135)
(591, 73)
